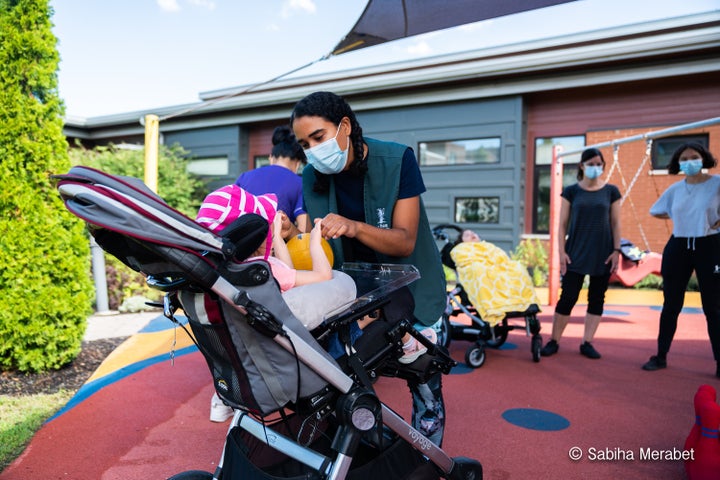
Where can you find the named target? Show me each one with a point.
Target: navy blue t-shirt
(349, 193)
(589, 233)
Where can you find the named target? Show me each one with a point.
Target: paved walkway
(144, 416)
(114, 324)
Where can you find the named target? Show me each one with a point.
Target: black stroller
(481, 332)
(299, 413)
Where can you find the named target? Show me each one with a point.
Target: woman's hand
(614, 260)
(397, 241)
(564, 262)
(336, 226)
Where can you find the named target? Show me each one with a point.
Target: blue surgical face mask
(593, 171)
(691, 167)
(327, 157)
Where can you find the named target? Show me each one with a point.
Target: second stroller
(491, 289)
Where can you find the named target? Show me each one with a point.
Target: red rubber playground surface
(141, 416)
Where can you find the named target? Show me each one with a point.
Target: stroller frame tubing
(457, 304)
(323, 464)
(335, 376)
(338, 379)
(87, 187)
(280, 442)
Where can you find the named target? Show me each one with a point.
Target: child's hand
(316, 232)
(278, 223)
(288, 229)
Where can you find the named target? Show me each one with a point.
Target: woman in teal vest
(367, 193)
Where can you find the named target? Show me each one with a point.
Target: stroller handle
(440, 233)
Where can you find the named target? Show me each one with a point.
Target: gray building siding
(500, 117)
(229, 142)
(515, 93)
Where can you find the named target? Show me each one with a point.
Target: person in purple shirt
(280, 177)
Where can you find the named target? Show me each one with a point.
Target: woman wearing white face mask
(367, 193)
(589, 244)
(693, 204)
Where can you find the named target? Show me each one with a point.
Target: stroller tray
(374, 281)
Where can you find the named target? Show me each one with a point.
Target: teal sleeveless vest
(382, 184)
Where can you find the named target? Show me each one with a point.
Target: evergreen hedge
(45, 288)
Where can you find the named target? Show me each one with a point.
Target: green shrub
(45, 289)
(655, 282)
(533, 254)
(180, 189)
(650, 282)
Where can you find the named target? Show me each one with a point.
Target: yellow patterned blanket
(495, 284)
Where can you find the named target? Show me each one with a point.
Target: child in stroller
(491, 289)
(333, 289)
(319, 417)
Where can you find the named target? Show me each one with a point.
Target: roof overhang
(661, 49)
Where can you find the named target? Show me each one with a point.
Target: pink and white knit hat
(225, 205)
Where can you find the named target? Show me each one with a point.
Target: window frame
(674, 142)
(577, 142)
(422, 149)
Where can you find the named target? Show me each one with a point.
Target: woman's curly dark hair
(708, 161)
(333, 108)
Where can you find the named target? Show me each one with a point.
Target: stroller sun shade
(139, 228)
(127, 207)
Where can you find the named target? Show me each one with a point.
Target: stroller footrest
(422, 369)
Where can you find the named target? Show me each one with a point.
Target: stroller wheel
(445, 331)
(535, 346)
(475, 355)
(501, 333)
(192, 475)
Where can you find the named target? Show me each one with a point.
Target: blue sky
(131, 55)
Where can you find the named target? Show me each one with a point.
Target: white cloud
(291, 6)
(169, 5)
(174, 5)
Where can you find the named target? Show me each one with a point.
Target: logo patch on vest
(381, 222)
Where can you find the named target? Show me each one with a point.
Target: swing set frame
(556, 178)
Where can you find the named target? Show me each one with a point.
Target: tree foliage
(45, 286)
(180, 189)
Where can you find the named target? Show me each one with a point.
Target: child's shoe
(219, 412)
(413, 349)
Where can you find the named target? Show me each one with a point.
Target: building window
(543, 160)
(663, 148)
(460, 152)
(477, 210)
(261, 160)
(209, 167)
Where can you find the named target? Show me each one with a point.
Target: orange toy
(299, 247)
(703, 438)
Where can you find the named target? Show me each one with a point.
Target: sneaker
(219, 412)
(655, 363)
(589, 351)
(416, 349)
(550, 348)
